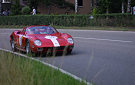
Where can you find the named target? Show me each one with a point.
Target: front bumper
(51, 49)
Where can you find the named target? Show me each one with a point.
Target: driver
(36, 31)
(31, 31)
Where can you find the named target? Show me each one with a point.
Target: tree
(132, 3)
(104, 6)
(33, 3)
(123, 5)
(16, 7)
(128, 6)
(116, 6)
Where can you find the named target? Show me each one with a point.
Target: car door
(20, 39)
(23, 39)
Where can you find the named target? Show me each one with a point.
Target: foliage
(71, 20)
(94, 11)
(16, 8)
(132, 3)
(26, 10)
(116, 6)
(104, 5)
(113, 6)
(33, 3)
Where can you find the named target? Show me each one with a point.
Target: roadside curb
(54, 67)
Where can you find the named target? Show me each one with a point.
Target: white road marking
(54, 67)
(103, 39)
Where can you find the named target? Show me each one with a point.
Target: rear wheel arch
(11, 37)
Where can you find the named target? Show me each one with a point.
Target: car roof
(33, 26)
(36, 25)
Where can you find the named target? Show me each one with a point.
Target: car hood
(51, 40)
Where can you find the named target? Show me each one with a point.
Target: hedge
(70, 20)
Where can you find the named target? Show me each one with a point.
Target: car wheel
(13, 44)
(69, 52)
(27, 48)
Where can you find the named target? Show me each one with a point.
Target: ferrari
(41, 39)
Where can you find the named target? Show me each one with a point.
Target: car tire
(27, 47)
(28, 50)
(13, 45)
(69, 52)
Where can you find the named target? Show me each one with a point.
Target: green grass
(81, 28)
(17, 70)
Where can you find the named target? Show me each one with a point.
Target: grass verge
(80, 28)
(17, 70)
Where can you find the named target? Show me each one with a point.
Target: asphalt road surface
(102, 57)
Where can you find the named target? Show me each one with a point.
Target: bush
(26, 10)
(70, 20)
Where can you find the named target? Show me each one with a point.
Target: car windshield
(41, 30)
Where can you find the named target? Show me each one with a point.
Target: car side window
(24, 30)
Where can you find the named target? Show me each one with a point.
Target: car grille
(56, 48)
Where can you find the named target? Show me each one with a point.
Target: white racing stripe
(54, 67)
(103, 39)
(54, 40)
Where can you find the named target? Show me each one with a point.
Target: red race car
(41, 39)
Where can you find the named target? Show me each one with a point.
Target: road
(102, 57)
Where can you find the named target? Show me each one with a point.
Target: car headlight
(70, 40)
(37, 42)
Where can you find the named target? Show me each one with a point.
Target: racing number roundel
(54, 40)
(20, 39)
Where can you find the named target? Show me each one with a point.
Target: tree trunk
(122, 8)
(0, 7)
(91, 6)
(76, 6)
(128, 6)
(49, 10)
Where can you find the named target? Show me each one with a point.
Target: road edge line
(52, 66)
